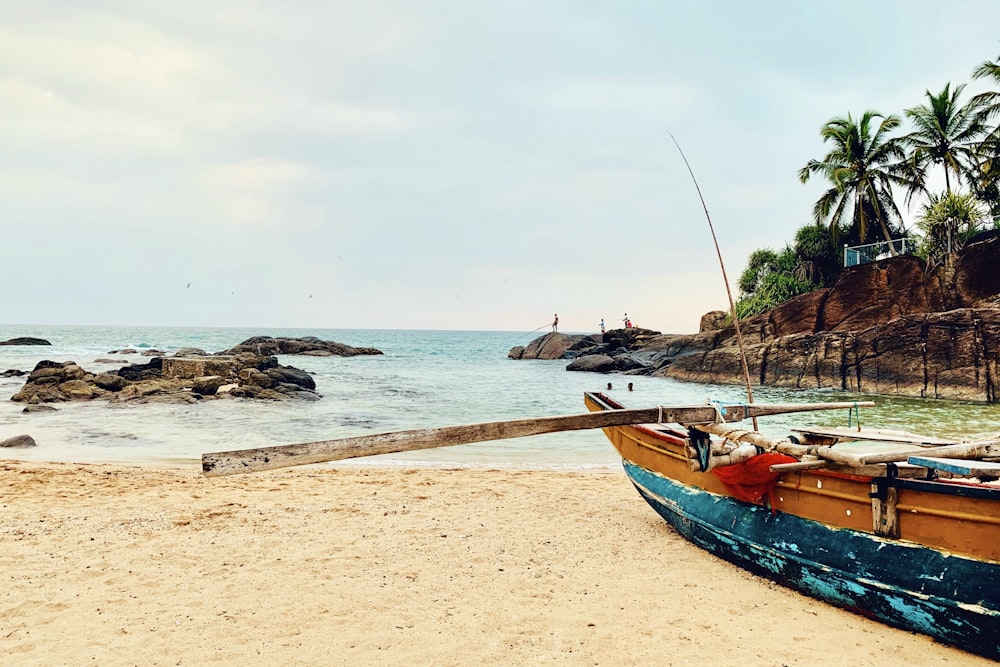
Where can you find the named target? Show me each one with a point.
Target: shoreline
(389, 565)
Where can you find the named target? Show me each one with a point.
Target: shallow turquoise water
(424, 379)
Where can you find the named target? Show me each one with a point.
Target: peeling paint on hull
(903, 584)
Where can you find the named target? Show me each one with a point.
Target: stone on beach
(19, 441)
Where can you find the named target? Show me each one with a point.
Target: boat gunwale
(943, 486)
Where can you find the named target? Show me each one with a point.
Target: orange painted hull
(953, 516)
(815, 531)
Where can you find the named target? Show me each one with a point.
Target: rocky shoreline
(248, 370)
(887, 328)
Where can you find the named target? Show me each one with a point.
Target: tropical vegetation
(871, 162)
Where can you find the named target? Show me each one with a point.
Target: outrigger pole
(722, 265)
(283, 456)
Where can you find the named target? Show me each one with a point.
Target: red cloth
(752, 481)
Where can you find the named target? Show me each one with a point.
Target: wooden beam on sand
(282, 456)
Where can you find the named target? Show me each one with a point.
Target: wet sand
(116, 565)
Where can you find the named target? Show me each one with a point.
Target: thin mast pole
(725, 279)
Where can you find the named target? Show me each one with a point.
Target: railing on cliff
(873, 252)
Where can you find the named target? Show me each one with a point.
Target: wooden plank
(782, 446)
(971, 468)
(844, 433)
(966, 450)
(799, 465)
(281, 456)
(885, 517)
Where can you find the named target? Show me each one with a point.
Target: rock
(110, 382)
(293, 376)
(26, 340)
(19, 441)
(144, 388)
(103, 360)
(713, 320)
(12, 372)
(190, 352)
(626, 362)
(516, 352)
(976, 276)
(256, 392)
(78, 390)
(801, 314)
(550, 346)
(147, 371)
(256, 378)
(595, 363)
(188, 368)
(304, 395)
(39, 408)
(151, 353)
(168, 379)
(870, 294)
(889, 328)
(208, 385)
(268, 346)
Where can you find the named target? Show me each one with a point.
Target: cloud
(430, 144)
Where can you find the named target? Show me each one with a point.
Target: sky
(429, 165)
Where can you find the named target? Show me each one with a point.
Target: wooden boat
(903, 541)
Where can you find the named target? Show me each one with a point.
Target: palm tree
(986, 184)
(988, 69)
(862, 166)
(947, 221)
(946, 134)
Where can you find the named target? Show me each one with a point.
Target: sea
(424, 379)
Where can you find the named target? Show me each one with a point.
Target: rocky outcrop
(883, 328)
(713, 321)
(25, 340)
(169, 380)
(551, 346)
(889, 327)
(954, 355)
(309, 345)
(618, 350)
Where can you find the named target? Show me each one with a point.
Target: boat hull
(880, 578)
(817, 535)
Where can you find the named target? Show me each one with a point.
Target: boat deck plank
(958, 466)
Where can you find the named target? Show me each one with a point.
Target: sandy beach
(115, 565)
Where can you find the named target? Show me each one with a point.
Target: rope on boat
(721, 409)
(857, 412)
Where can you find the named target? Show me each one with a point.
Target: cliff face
(884, 328)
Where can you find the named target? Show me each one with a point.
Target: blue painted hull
(952, 598)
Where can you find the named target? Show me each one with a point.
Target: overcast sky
(428, 165)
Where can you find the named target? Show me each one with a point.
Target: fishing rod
(534, 330)
(725, 279)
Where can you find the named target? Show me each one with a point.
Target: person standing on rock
(555, 322)
(602, 326)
